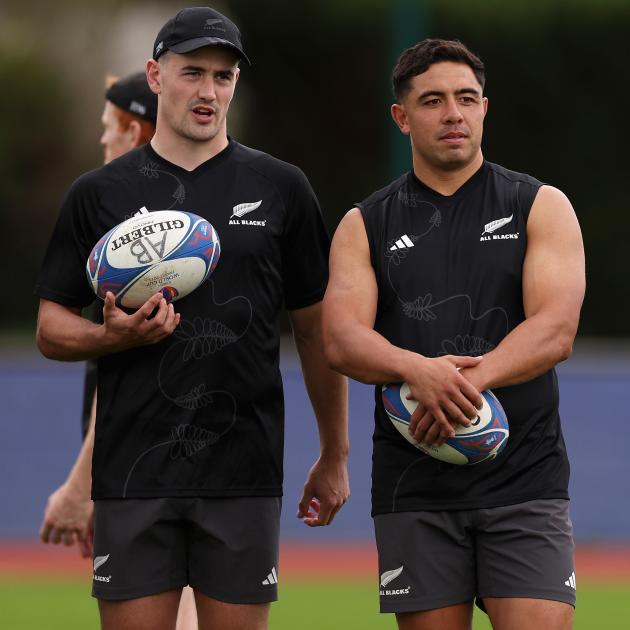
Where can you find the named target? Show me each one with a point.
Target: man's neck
(446, 182)
(187, 154)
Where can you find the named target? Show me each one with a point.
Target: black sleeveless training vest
(449, 274)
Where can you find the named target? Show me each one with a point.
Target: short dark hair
(419, 58)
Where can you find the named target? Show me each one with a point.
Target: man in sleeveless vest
(187, 463)
(458, 277)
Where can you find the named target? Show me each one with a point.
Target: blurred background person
(128, 121)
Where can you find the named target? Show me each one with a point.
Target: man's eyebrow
(466, 90)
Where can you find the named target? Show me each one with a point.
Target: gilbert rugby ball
(483, 440)
(167, 251)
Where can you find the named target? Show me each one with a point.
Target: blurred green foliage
(556, 89)
(318, 95)
(32, 121)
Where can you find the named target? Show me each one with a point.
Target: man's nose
(207, 89)
(452, 112)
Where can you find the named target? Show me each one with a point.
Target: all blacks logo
(395, 591)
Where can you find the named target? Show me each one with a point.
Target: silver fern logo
(389, 576)
(244, 208)
(99, 561)
(488, 228)
(493, 226)
(240, 210)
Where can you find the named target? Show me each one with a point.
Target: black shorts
(225, 548)
(435, 559)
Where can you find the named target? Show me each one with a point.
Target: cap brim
(199, 42)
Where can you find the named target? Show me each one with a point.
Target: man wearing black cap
(187, 470)
(129, 116)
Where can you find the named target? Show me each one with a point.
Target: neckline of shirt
(476, 176)
(201, 168)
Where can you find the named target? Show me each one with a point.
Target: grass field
(65, 604)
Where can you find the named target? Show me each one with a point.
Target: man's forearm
(531, 349)
(366, 356)
(64, 335)
(80, 477)
(328, 393)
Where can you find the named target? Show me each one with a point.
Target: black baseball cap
(195, 28)
(132, 94)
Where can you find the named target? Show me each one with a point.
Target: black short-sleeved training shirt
(449, 273)
(200, 413)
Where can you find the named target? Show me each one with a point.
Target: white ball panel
(185, 274)
(143, 240)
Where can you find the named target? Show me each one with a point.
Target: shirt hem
(186, 492)
(481, 504)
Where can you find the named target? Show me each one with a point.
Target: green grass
(47, 605)
(67, 605)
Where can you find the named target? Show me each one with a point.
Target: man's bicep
(553, 272)
(352, 291)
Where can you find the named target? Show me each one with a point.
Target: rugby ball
(483, 440)
(166, 251)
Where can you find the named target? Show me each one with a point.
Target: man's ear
(153, 76)
(136, 131)
(400, 117)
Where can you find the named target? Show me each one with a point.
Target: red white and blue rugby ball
(167, 251)
(483, 440)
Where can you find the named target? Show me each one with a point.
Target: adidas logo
(140, 212)
(272, 578)
(402, 243)
(571, 581)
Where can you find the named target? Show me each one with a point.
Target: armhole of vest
(525, 211)
(368, 234)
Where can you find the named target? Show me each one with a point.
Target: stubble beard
(189, 130)
(450, 159)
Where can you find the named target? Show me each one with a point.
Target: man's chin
(454, 160)
(203, 134)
